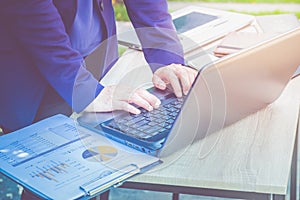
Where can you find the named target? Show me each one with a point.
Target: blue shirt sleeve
(38, 28)
(156, 32)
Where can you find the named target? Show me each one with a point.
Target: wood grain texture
(253, 154)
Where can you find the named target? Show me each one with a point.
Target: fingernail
(157, 104)
(137, 112)
(161, 86)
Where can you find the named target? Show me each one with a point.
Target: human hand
(121, 97)
(180, 77)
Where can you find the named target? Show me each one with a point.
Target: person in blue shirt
(43, 45)
(42, 51)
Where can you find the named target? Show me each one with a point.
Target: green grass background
(121, 14)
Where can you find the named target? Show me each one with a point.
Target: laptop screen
(191, 21)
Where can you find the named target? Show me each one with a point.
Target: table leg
(298, 164)
(294, 169)
(175, 196)
(104, 195)
(278, 197)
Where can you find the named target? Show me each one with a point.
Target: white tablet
(197, 26)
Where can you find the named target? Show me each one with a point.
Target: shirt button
(102, 5)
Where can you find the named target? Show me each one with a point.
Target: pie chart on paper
(100, 153)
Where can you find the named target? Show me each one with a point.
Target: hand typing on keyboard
(121, 98)
(153, 125)
(180, 77)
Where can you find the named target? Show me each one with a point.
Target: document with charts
(57, 159)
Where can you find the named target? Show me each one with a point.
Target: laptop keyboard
(147, 125)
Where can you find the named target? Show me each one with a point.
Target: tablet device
(196, 27)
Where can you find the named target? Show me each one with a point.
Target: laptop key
(162, 130)
(174, 114)
(135, 120)
(143, 122)
(167, 106)
(171, 110)
(159, 120)
(153, 130)
(145, 136)
(168, 126)
(144, 128)
(170, 121)
(133, 132)
(152, 123)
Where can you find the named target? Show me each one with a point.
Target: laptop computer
(203, 25)
(223, 93)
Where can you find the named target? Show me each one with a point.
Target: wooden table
(250, 159)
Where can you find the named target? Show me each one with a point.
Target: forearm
(156, 32)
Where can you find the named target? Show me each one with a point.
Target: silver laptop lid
(235, 87)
